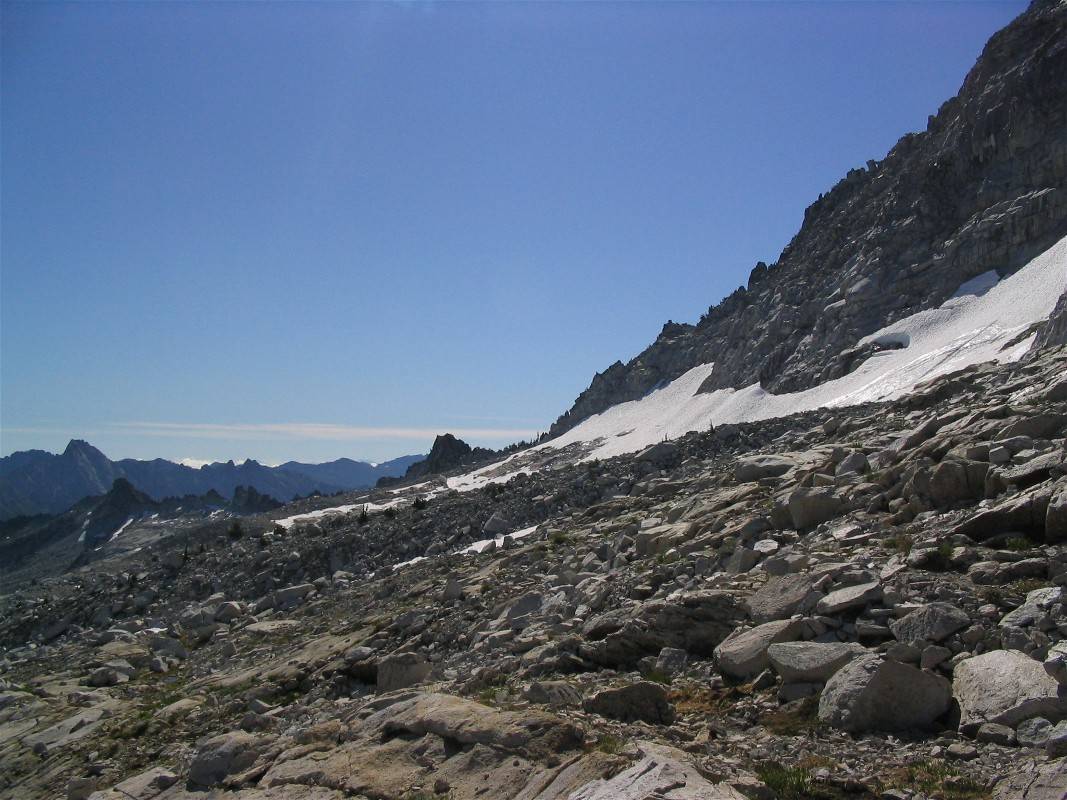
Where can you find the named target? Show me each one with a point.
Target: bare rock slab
(662, 773)
(811, 662)
(643, 701)
(869, 694)
(1006, 687)
(744, 653)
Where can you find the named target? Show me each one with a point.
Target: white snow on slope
(311, 516)
(972, 326)
(479, 546)
(125, 525)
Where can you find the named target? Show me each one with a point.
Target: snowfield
(980, 322)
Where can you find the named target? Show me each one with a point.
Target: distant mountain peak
(81, 447)
(37, 481)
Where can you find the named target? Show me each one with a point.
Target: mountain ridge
(36, 481)
(981, 189)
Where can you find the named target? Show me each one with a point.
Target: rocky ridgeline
(867, 602)
(983, 188)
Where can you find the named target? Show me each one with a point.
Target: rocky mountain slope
(865, 602)
(96, 527)
(36, 482)
(983, 188)
(860, 596)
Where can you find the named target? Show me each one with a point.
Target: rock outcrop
(982, 188)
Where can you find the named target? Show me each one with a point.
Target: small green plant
(420, 503)
(390, 513)
(1017, 543)
(236, 531)
(559, 538)
(939, 778)
(902, 543)
(938, 560)
(657, 676)
(1027, 585)
(364, 517)
(794, 720)
(991, 594)
(786, 783)
(610, 744)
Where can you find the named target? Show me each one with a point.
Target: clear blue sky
(308, 230)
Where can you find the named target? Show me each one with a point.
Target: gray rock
(1056, 663)
(401, 670)
(228, 611)
(931, 623)
(291, 596)
(993, 733)
(849, 597)
(744, 652)
(661, 773)
(672, 660)
(1056, 745)
(145, 786)
(497, 523)
(1033, 732)
(781, 598)
(223, 755)
(1030, 781)
(753, 468)
(661, 453)
(870, 694)
(811, 662)
(643, 701)
(529, 603)
(1006, 687)
(553, 693)
(1056, 516)
(810, 506)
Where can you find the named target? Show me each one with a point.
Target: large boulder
(753, 468)
(553, 693)
(1025, 511)
(811, 662)
(744, 652)
(694, 621)
(144, 786)
(661, 773)
(782, 597)
(401, 670)
(1056, 662)
(869, 694)
(643, 701)
(953, 480)
(1006, 687)
(810, 506)
(224, 755)
(1034, 781)
(931, 623)
(849, 597)
(1056, 516)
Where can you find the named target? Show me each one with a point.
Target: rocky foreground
(864, 602)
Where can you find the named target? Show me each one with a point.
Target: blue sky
(309, 230)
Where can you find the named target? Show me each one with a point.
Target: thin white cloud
(309, 430)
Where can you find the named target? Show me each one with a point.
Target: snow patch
(311, 516)
(976, 324)
(477, 547)
(125, 525)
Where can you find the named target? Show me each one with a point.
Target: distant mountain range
(36, 482)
